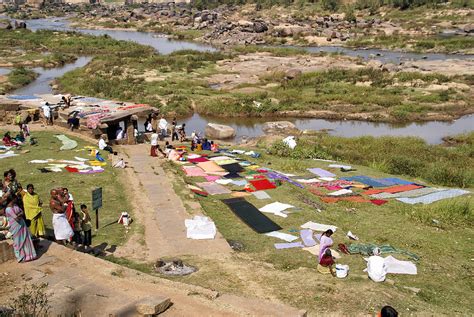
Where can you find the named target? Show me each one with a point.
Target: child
(77, 237)
(86, 226)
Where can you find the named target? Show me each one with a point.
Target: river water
(432, 131)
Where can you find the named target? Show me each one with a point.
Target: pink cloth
(212, 178)
(194, 171)
(325, 243)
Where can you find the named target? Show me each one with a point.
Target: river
(432, 132)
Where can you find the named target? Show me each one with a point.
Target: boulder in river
(219, 131)
(280, 128)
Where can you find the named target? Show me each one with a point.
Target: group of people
(376, 268)
(160, 127)
(24, 212)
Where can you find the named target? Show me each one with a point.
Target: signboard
(97, 198)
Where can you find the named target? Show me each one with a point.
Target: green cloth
(68, 144)
(366, 249)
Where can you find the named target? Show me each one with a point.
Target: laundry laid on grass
(431, 198)
(283, 236)
(200, 228)
(68, 144)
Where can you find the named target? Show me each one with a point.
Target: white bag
(342, 270)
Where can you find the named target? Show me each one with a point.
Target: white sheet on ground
(281, 235)
(223, 181)
(276, 208)
(340, 192)
(346, 167)
(8, 154)
(200, 228)
(395, 266)
(318, 226)
(327, 179)
(308, 181)
(290, 142)
(261, 194)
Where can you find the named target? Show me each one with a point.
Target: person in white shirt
(163, 126)
(376, 268)
(46, 113)
(119, 135)
(103, 145)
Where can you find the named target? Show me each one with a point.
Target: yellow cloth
(33, 213)
(97, 163)
(323, 269)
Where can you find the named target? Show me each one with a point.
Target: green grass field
(440, 233)
(79, 185)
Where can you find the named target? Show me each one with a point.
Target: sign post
(96, 204)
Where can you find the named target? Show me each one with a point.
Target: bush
(404, 165)
(330, 5)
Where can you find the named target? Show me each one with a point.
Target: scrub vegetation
(409, 156)
(17, 78)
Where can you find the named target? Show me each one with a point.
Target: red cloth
(262, 184)
(393, 189)
(378, 202)
(200, 192)
(198, 160)
(326, 260)
(69, 213)
(153, 151)
(71, 169)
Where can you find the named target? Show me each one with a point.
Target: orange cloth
(393, 189)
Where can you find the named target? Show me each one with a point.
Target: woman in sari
(33, 211)
(22, 244)
(326, 262)
(10, 187)
(325, 242)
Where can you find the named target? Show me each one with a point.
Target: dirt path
(161, 211)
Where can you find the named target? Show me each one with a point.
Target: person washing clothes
(326, 263)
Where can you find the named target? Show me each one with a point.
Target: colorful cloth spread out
(366, 180)
(276, 175)
(68, 144)
(367, 249)
(214, 188)
(198, 160)
(407, 194)
(320, 172)
(194, 171)
(262, 184)
(430, 198)
(22, 244)
(392, 190)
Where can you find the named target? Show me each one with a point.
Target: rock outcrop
(219, 131)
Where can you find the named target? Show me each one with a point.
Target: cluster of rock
(220, 23)
(16, 25)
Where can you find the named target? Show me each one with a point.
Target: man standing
(62, 230)
(163, 125)
(46, 113)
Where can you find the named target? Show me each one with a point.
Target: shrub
(330, 5)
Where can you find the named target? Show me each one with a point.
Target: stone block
(153, 305)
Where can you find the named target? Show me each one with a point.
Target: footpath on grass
(161, 210)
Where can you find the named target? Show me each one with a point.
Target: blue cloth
(365, 180)
(430, 198)
(239, 183)
(396, 181)
(23, 97)
(99, 158)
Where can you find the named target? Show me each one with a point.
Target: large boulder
(260, 27)
(279, 128)
(293, 73)
(219, 131)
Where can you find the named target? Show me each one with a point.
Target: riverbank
(268, 85)
(446, 28)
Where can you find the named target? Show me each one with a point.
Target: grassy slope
(17, 78)
(80, 186)
(443, 248)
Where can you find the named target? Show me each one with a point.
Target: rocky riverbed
(243, 25)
